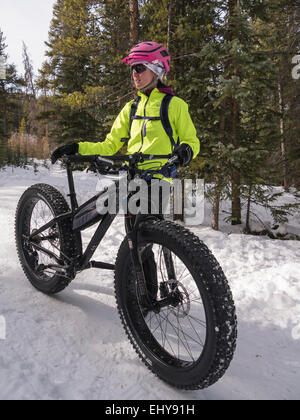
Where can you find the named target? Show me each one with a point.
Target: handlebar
(106, 164)
(109, 160)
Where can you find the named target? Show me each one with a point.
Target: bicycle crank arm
(59, 269)
(99, 264)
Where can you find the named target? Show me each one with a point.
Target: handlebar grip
(79, 158)
(104, 160)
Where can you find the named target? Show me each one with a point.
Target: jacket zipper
(143, 125)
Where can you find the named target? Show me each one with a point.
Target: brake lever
(92, 168)
(172, 161)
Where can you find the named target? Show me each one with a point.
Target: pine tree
(230, 60)
(84, 79)
(10, 95)
(225, 83)
(23, 127)
(73, 66)
(3, 96)
(115, 38)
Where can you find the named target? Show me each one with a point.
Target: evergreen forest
(235, 62)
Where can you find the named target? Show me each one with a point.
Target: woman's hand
(69, 149)
(184, 153)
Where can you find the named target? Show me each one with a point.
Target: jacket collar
(156, 92)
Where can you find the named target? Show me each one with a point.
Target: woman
(149, 62)
(140, 123)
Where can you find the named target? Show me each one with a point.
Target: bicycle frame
(83, 261)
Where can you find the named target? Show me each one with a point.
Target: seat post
(72, 195)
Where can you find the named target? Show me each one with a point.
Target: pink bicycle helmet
(150, 52)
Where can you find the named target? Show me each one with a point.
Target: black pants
(155, 201)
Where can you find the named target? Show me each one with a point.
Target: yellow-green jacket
(156, 140)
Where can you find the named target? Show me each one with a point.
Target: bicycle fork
(167, 298)
(141, 284)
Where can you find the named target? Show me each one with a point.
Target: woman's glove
(69, 149)
(185, 154)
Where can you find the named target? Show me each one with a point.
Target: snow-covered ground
(72, 345)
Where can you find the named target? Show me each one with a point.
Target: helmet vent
(164, 53)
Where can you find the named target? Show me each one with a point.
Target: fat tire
(220, 343)
(70, 242)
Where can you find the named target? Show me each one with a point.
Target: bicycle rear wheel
(188, 338)
(54, 247)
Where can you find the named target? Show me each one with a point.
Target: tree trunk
(134, 21)
(234, 116)
(30, 88)
(30, 93)
(218, 188)
(248, 209)
(4, 115)
(216, 206)
(169, 25)
(178, 13)
(282, 136)
(236, 177)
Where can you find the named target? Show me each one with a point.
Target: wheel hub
(173, 294)
(181, 298)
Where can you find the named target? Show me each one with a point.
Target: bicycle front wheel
(188, 337)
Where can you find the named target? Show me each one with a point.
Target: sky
(28, 21)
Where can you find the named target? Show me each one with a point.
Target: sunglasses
(138, 68)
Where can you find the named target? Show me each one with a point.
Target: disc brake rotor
(183, 308)
(53, 235)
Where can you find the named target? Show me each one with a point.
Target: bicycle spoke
(185, 344)
(188, 317)
(41, 215)
(166, 337)
(176, 328)
(186, 334)
(202, 323)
